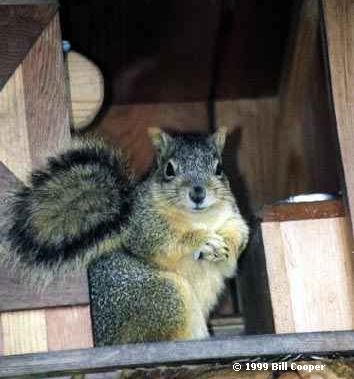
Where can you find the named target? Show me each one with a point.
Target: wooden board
(302, 211)
(309, 266)
(304, 146)
(21, 22)
(24, 332)
(69, 328)
(339, 29)
(175, 353)
(16, 295)
(33, 106)
(249, 151)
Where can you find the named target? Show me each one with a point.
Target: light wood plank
(86, 89)
(309, 265)
(339, 27)
(277, 278)
(24, 332)
(69, 328)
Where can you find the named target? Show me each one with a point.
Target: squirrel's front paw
(214, 250)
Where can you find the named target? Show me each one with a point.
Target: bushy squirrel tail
(56, 222)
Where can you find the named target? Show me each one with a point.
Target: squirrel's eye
(169, 171)
(218, 169)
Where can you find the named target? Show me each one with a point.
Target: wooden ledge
(302, 211)
(175, 353)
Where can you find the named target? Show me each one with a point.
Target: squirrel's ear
(219, 138)
(159, 139)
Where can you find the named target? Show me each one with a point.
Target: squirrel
(157, 249)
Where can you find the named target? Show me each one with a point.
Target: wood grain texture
(14, 151)
(305, 147)
(24, 332)
(302, 211)
(20, 25)
(277, 278)
(86, 89)
(249, 151)
(16, 295)
(33, 106)
(174, 353)
(69, 328)
(309, 267)
(339, 28)
(46, 102)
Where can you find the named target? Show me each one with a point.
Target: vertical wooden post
(339, 30)
(304, 147)
(33, 106)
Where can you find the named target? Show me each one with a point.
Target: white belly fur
(206, 278)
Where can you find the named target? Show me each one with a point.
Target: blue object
(66, 46)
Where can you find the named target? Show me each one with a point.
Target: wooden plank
(339, 29)
(21, 22)
(302, 211)
(69, 328)
(33, 108)
(14, 138)
(249, 151)
(304, 146)
(46, 102)
(175, 353)
(24, 332)
(309, 267)
(277, 276)
(16, 295)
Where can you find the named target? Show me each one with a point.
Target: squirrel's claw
(214, 250)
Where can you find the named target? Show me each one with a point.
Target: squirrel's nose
(197, 194)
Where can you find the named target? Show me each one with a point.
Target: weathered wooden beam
(21, 22)
(174, 353)
(16, 295)
(34, 118)
(339, 33)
